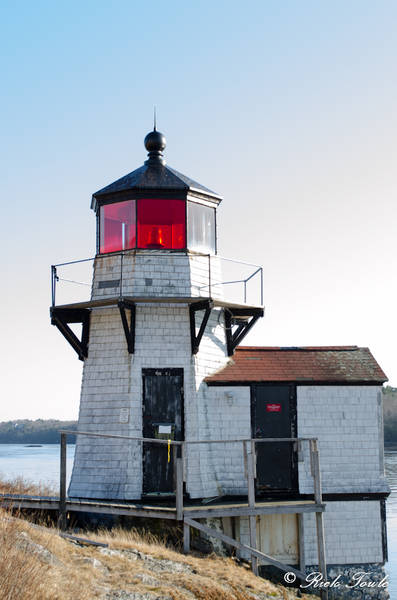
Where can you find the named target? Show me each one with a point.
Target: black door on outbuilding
(162, 419)
(273, 415)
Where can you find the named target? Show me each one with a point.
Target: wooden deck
(114, 300)
(161, 511)
(189, 513)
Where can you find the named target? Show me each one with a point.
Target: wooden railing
(249, 454)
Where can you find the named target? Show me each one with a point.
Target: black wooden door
(274, 416)
(162, 419)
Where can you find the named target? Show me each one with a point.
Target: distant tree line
(43, 431)
(39, 431)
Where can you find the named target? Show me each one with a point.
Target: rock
(154, 564)
(97, 564)
(127, 553)
(123, 595)
(147, 579)
(216, 545)
(92, 561)
(159, 565)
(25, 543)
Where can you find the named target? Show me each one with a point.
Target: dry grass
(20, 575)
(133, 564)
(19, 485)
(37, 564)
(206, 577)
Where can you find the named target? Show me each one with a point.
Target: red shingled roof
(326, 364)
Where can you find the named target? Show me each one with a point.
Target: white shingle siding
(158, 273)
(346, 420)
(220, 413)
(353, 533)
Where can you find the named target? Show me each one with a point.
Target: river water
(391, 511)
(42, 465)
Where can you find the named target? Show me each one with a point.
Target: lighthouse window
(161, 224)
(117, 226)
(201, 228)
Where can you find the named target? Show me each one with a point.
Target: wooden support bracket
(207, 306)
(243, 319)
(61, 317)
(129, 328)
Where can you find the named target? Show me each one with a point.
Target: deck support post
(318, 497)
(186, 538)
(261, 556)
(62, 485)
(301, 539)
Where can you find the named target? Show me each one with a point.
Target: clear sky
(286, 108)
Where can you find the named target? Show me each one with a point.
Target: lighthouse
(158, 322)
(178, 421)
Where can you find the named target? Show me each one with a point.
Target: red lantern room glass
(161, 224)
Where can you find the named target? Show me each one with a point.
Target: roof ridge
(155, 177)
(299, 348)
(342, 365)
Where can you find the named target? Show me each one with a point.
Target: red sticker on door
(273, 407)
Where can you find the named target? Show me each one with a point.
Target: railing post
(121, 274)
(184, 460)
(261, 286)
(248, 446)
(62, 485)
(179, 489)
(209, 276)
(318, 497)
(53, 283)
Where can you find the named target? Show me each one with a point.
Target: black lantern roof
(154, 177)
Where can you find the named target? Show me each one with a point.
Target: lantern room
(155, 208)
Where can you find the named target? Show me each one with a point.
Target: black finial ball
(155, 142)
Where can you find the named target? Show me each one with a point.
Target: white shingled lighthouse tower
(157, 323)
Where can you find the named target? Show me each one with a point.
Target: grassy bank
(37, 564)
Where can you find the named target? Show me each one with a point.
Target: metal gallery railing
(240, 281)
